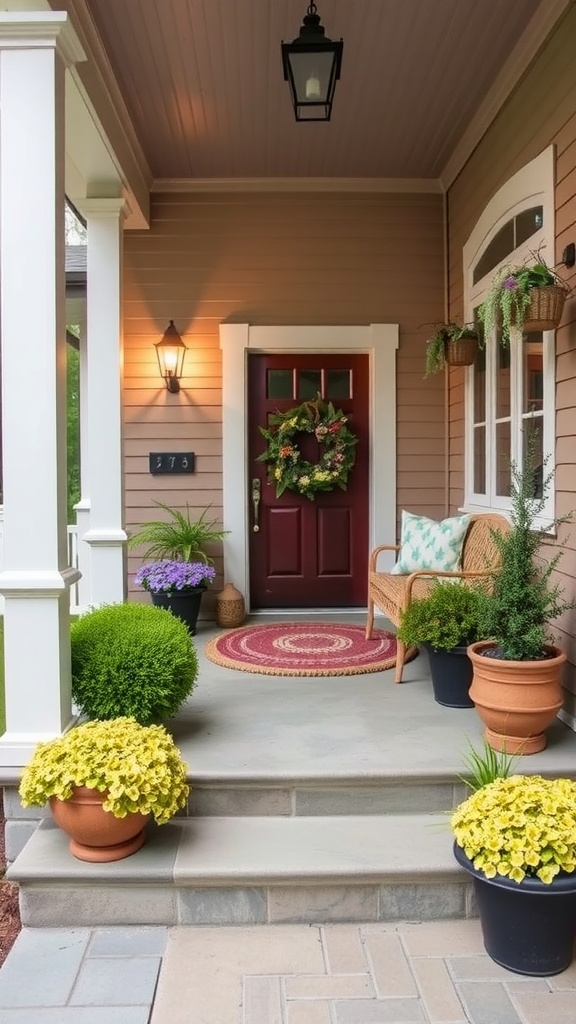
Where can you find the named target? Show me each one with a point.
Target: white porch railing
(72, 560)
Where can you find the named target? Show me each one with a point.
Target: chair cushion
(427, 544)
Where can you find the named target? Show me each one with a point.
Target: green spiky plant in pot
(516, 685)
(183, 567)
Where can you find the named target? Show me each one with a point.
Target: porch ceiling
(202, 82)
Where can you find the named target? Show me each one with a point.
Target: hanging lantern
(311, 65)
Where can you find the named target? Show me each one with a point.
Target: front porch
(313, 800)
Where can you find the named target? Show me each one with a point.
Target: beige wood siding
(275, 259)
(541, 111)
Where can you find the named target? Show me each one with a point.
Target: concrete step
(252, 870)
(254, 795)
(368, 794)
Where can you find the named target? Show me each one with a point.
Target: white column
(106, 535)
(35, 579)
(82, 508)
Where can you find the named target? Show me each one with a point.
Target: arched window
(509, 387)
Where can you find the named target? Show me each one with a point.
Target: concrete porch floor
(244, 725)
(318, 734)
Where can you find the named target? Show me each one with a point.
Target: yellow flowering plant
(139, 768)
(518, 827)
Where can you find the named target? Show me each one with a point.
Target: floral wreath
(288, 470)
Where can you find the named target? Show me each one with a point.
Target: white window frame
(532, 186)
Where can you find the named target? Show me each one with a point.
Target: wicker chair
(392, 594)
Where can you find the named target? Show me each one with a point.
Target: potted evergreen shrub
(182, 567)
(516, 684)
(103, 781)
(451, 345)
(516, 836)
(530, 296)
(131, 660)
(445, 622)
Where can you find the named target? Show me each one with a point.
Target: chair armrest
(437, 573)
(374, 554)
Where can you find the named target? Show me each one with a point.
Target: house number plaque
(172, 462)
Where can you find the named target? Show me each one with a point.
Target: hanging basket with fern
(451, 345)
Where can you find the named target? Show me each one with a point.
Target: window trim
(531, 186)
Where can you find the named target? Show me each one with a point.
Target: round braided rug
(304, 649)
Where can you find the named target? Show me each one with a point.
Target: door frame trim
(237, 341)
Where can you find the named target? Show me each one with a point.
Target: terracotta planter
(516, 700)
(97, 835)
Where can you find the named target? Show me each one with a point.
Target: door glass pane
(528, 223)
(309, 384)
(502, 381)
(503, 455)
(532, 374)
(480, 460)
(480, 387)
(280, 384)
(338, 384)
(536, 424)
(501, 245)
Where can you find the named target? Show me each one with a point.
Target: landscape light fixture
(311, 67)
(170, 351)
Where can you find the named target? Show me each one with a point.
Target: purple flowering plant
(171, 575)
(509, 296)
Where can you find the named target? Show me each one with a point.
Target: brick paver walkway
(429, 973)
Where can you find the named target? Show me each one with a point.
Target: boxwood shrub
(131, 660)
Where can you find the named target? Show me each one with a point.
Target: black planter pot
(451, 673)
(185, 605)
(528, 927)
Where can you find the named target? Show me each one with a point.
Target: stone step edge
(244, 851)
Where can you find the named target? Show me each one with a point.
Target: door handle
(256, 495)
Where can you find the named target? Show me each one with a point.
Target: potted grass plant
(516, 684)
(452, 345)
(181, 568)
(516, 837)
(530, 296)
(445, 622)
(103, 781)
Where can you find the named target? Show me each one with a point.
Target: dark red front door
(308, 554)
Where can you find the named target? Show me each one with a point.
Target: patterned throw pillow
(426, 544)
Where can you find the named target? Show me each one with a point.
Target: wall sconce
(170, 351)
(311, 65)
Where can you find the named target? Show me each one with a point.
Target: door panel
(334, 542)
(306, 553)
(283, 541)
